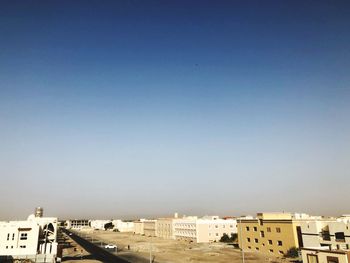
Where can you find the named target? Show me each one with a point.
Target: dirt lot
(174, 251)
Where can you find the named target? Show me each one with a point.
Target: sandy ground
(76, 253)
(174, 251)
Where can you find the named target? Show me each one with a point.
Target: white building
(326, 240)
(205, 229)
(329, 232)
(77, 224)
(35, 238)
(139, 226)
(122, 226)
(99, 224)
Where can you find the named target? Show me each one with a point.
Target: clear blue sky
(143, 108)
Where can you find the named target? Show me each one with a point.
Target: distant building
(99, 224)
(33, 239)
(77, 224)
(271, 233)
(139, 227)
(205, 229)
(123, 226)
(150, 228)
(165, 228)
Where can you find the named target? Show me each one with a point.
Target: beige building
(139, 227)
(149, 228)
(310, 255)
(165, 228)
(205, 229)
(271, 233)
(331, 233)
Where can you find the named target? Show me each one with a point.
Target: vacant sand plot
(136, 248)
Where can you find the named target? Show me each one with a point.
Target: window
(256, 240)
(216, 226)
(24, 236)
(312, 258)
(7, 247)
(278, 229)
(332, 260)
(339, 236)
(257, 248)
(231, 226)
(325, 235)
(279, 243)
(22, 246)
(217, 234)
(249, 247)
(248, 239)
(255, 229)
(280, 252)
(13, 236)
(262, 234)
(268, 229)
(270, 242)
(271, 250)
(247, 228)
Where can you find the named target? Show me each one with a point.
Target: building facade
(331, 233)
(150, 228)
(139, 227)
(35, 238)
(324, 256)
(123, 226)
(165, 228)
(271, 233)
(205, 229)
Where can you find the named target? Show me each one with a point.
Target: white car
(111, 246)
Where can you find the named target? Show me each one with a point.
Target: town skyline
(149, 107)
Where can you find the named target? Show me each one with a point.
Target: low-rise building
(150, 228)
(271, 233)
(123, 226)
(34, 238)
(139, 227)
(100, 224)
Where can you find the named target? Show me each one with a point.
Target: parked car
(111, 247)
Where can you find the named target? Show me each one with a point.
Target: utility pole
(150, 250)
(240, 234)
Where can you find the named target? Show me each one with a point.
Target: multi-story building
(77, 224)
(150, 228)
(139, 227)
(205, 229)
(33, 239)
(326, 240)
(165, 228)
(332, 233)
(271, 233)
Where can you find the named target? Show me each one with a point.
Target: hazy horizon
(131, 108)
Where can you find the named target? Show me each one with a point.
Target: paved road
(98, 252)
